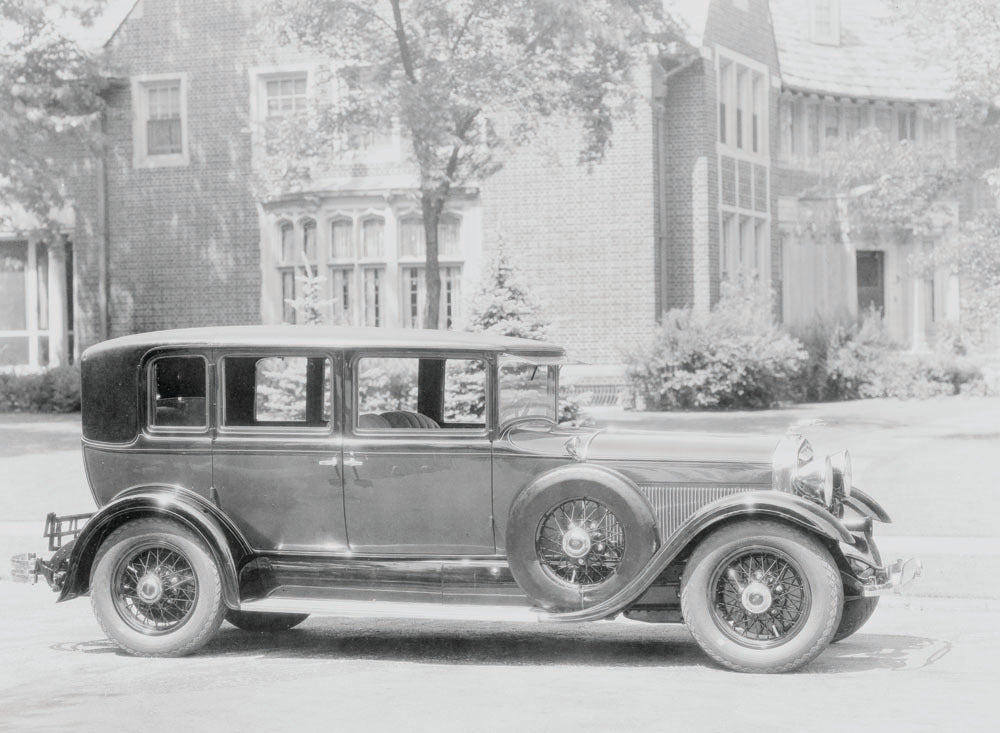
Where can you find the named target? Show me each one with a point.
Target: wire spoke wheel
(580, 542)
(154, 589)
(759, 597)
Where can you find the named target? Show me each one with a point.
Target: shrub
(863, 362)
(732, 357)
(46, 390)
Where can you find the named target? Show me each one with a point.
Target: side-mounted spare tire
(578, 538)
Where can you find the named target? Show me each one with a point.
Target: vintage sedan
(263, 474)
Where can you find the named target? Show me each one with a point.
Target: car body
(262, 474)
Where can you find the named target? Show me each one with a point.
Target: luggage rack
(58, 528)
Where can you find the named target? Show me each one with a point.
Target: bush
(863, 362)
(732, 357)
(47, 390)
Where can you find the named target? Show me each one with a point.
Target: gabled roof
(876, 59)
(97, 35)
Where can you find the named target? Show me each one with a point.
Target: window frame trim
(332, 427)
(141, 158)
(352, 383)
(150, 400)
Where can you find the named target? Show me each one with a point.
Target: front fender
(228, 546)
(866, 506)
(787, 507)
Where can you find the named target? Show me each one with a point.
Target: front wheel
(156, 590)
(762, 596)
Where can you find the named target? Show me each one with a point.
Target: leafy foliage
(50, 96)
(465, 79)
(863, 362)
(732, 357)
(45, 390)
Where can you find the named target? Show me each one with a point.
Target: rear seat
(406, 419)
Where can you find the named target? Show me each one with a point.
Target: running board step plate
(395, 610)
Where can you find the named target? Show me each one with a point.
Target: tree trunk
(431, 205)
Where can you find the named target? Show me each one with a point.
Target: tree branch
(465, 27)
(404, 46)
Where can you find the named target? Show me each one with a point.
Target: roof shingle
(876, 58)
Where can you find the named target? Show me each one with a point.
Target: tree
(466, 80)
(502, 306)
(965, 34)
(50, 95)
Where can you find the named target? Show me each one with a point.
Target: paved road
(911, 669)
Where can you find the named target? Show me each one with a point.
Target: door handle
(328, 462)
(352, 461)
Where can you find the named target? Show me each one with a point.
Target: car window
(276, 391)
(406, 393)
(179, 389)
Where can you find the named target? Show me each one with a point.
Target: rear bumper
(893, 577)
(61, 532)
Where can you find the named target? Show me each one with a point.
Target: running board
(396, 610)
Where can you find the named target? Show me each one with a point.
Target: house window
(309, 241)
(373, 278)
(411, 237)
(163, 122)
(906, 124)
(742, 107)
(415, 295)
(726, 75)
(341, 239)
(372, 238)
(285, 95)
(825, 17)
(159, 129)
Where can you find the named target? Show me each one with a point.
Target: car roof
(332, 337)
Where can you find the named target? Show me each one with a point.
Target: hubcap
(576, 542)
(150, 588)
(756, 597)
(154, 589)
(759, 597)
(580, 542)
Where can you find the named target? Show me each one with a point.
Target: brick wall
(583, 240)
(183, 240)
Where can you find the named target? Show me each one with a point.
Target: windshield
(527, 390)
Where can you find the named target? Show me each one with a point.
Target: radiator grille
(673, 504)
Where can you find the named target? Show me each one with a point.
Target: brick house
(166, 231)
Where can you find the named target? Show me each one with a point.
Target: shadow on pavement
(518, 647)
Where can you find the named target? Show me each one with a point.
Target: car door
(277, 450)
(418, 483)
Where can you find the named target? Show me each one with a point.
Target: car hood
(678, 456)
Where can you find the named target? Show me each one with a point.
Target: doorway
(871, 281)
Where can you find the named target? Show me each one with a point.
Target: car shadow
(614, 645)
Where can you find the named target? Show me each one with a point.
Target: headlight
(814, 480)
(842, 474)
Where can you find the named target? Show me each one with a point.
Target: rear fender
(756, 504)
(228, 546)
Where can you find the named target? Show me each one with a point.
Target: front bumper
(893, 577)
(26, 568)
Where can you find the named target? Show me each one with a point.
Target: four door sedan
(262, 474)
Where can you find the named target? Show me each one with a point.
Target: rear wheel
(156, 590)
(253, 621)
(761, 596)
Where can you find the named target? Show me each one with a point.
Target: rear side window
(179, 385)
(277, 391)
